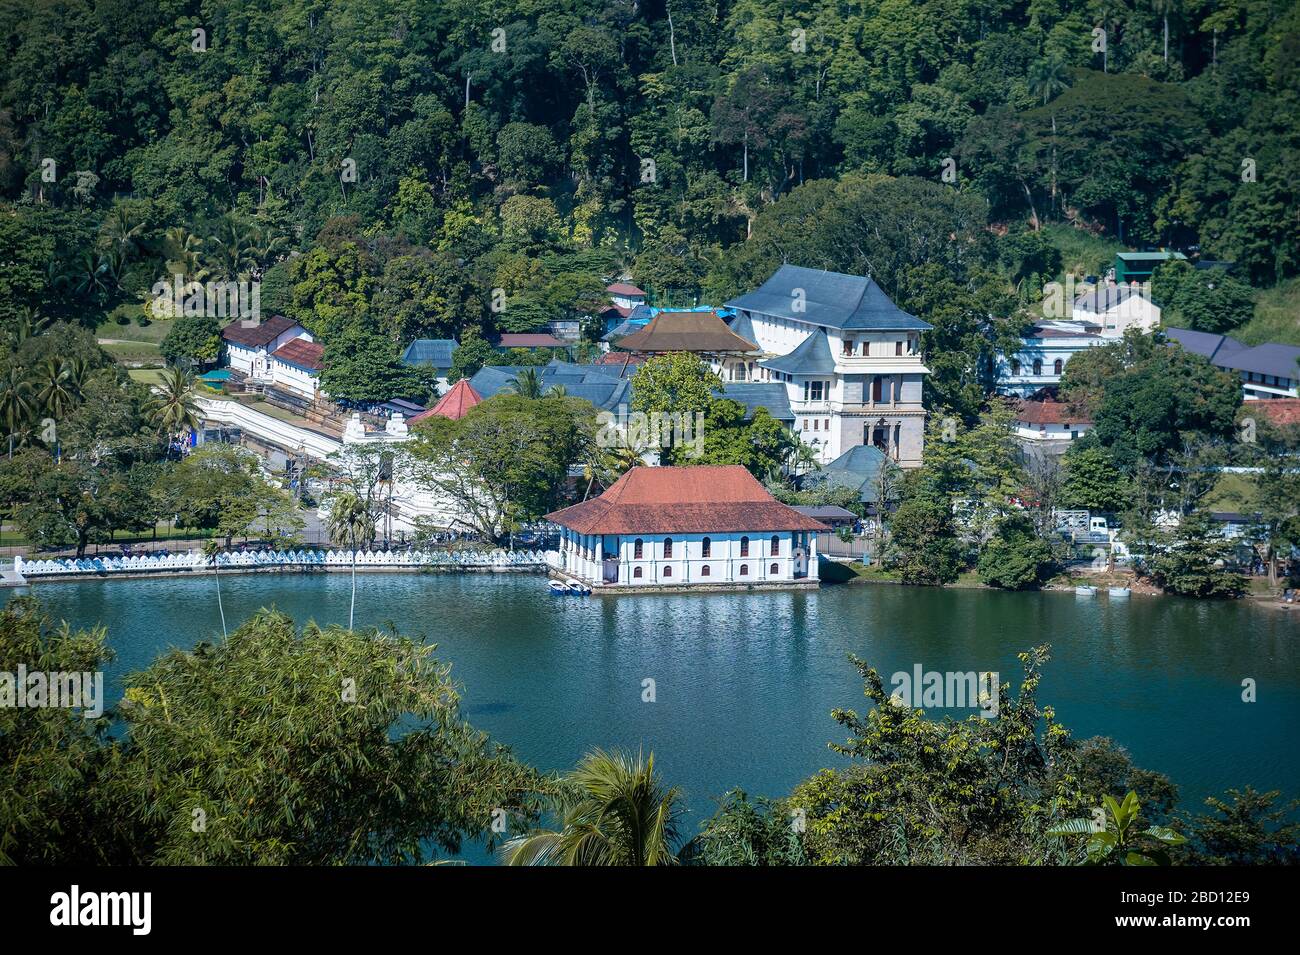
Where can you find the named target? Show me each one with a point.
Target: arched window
(636, 550)
(668, 571)
(744, 547)
(668, 548)
(775, 569)
(636, 571)
(1057, 366)
(1015, 366)
(705, 571)
(776, 545)
(744, 570)
(1038, 366)
(706, 548)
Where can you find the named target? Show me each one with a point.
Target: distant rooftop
(435, 352)
(529, 340)
(828, 299)
(687, 331)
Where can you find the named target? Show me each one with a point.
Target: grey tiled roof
(1268, 359)
(770, 395)
(856, 468)
(430, 351)
(829, 299)
(598, 384)
(812, 357)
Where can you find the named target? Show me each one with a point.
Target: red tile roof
(620, 358)
(1280, 411)
(689, 500)
(1050, 412)
(455, 404)
(259, 335)
(530, 340)
(623, 288)
(300, 352)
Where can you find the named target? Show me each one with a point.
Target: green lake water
(745, 683)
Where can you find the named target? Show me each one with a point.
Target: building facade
(249, 347)
(1267, 372)
(849, 358)
(687, 527)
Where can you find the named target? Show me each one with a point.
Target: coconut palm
(231, 251)
(211, 548)
(54, 388)
(16, 404)
(175, 408)
(93, 276)
(1048, 79)
(123, 231)
(614, 810)
(28, 324)
(350, 520)
(183, 251)
(527, 384)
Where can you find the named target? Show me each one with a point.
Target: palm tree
(350, 520)
(1050, 78)
(15, 403)
(123, 231)
(183, 251)
(29, 324)
(231, 251)
(614, 810)
(1164, 8)
(54, 389)
(527, 384)
(175, 408)
(93, 276)
(211, 548)
(557, 391)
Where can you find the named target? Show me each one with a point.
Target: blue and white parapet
(196, 562)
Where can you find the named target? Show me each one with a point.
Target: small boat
(1083, 590)
(1120, 592)
(580, 589)
(558, 588)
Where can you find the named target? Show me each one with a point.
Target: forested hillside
(384, 165)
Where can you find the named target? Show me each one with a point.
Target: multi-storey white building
(687, 526)
(849, 357)
(1101, 315)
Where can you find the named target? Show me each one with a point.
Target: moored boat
(580, 589)
(1083, 590)
(1119, 592)
(558, 588)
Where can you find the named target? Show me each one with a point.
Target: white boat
(1083, 590)
(1118, 592)
(558, 588)
(580, 589)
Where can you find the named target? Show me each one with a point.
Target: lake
(745, 683)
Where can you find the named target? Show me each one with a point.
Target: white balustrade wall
(195, 561)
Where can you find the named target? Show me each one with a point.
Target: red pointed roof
(454, 404)
(671, 500)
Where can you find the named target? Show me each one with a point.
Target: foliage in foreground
(613, 809)
(276, 746)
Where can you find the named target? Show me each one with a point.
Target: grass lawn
(1082, 253)
(1233, 492)
(1277, 316)
(9, 537)
(147, 376)
(133, 351)
(153, 333)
